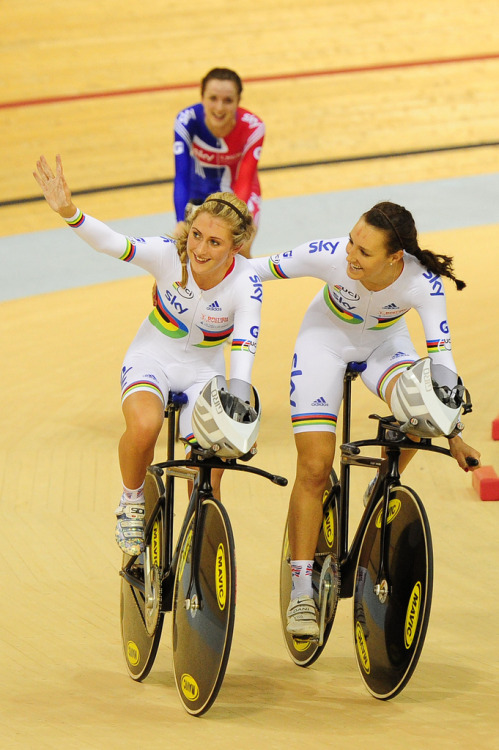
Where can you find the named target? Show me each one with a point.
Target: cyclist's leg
(144, 416)
(315, 457)
(315, 398)
(144, 394)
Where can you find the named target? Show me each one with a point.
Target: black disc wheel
(325, 579)
(204, 601)
(391, 611)
(140, 605)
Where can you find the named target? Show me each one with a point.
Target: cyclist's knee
(144, 420)
(313, 469)
(315, 456)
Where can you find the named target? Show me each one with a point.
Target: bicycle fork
(202, 488)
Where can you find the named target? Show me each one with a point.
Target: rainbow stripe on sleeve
(129, 253)
(277, 270)
(433, 346)
(240, 345)
(77, 221)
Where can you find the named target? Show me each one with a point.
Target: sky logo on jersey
(386, 322)
(345, 315)
(213, 338)
(166, 322)
(129, 253)
(436, 283)
(323, 246)
(257, 288)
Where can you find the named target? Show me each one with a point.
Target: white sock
(133, 496)
(301, 577)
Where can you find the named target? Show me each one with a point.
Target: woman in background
(217, 148)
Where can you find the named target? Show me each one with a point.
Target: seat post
(352, 370)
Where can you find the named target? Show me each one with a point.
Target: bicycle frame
(198, 469)
(393, 441)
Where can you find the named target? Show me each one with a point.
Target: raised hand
(54, 186)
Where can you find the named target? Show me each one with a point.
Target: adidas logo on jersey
(320, 402)
(214, 306)
(391, 306)
(397, 355)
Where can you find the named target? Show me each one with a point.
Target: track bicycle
(194, 578)
(387, 569)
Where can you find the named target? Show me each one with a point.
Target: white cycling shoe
(302, 618)
(129, 530)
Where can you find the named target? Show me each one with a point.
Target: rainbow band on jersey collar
(231, 205)
(391, 224)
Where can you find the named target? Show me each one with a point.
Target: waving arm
(54, 187)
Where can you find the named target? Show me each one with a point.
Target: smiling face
(368, 260)
(210, 248)
(220, 101)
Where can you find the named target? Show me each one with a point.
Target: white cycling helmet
(225, 423)
(427, 400)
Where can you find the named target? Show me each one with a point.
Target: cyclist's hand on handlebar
(467, 457)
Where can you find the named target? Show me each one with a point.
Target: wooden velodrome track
(402, 92)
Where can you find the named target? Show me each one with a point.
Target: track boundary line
(272, 168)
(377, 67)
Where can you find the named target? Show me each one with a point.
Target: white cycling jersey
(346, 322)
(179, 346)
